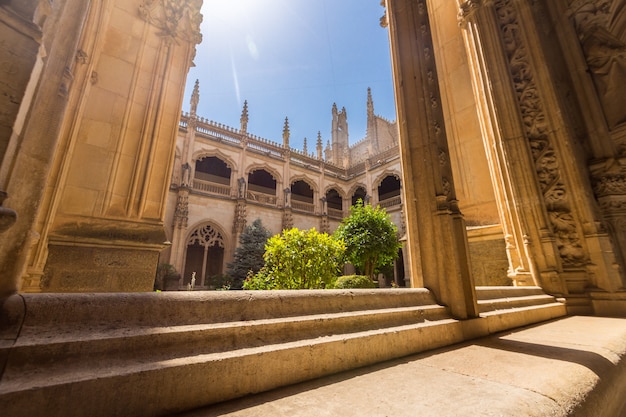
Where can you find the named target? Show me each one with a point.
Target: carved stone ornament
(610, 184)
(181, 214)
(206, 236)
(287, 219)
(468, 7)
(240, 217)
(604, 44)
(177, 19)
(547, 164)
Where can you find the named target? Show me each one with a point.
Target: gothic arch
(206, 153)
(387, 173)
(355, 187)
(311, 183)
(337, 188)
(255, 167)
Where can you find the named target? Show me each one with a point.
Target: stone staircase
(146, 354)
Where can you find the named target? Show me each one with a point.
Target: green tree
(249, 254)
(299, 259)
(370, 237)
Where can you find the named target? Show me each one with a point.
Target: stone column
(105, 225)
(436, 234)
(554, 235)
(34, 123)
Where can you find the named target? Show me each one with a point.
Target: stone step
(156, 354)
(62, 349)
(485, 306)
(194, 380)
(489, 293)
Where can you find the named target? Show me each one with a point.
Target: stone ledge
(573, 366)
(156, 353)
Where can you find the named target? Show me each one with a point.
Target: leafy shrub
(259, 281)
(354, 281)
(299, 259)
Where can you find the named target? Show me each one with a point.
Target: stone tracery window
(205, 254)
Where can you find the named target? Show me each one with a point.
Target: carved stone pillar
(34, 97)
(239, 223)
(104, 226)
(436, 234)
(553, 234)
(179, 234)
(287, 218)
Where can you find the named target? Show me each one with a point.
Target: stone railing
(302, 206)
(336, 213)
(211, 187)
(261, 197)
(390, 202)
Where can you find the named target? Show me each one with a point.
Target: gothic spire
(370, 104)
(319, 145)
(244, 117)
(305, 149)
(195, 98)
(286, 133)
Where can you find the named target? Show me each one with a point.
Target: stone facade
(224, 178)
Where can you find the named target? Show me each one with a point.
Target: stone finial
(370, 104)
(304, 148)
(244, 117)
(334, 108)
(195, 98)
(319, 145)
(286, 133)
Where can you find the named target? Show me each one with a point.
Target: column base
(94, 268)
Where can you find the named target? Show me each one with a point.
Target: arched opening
(359, 193)
(334, 203)
(212, 175)
(261, 187)
(302, 196)
(389, 191)
(205, 256)
(213, 169)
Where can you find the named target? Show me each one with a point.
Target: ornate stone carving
(605, 51)
(240, 217)
(610, 184)
(181, 214)
(287, 219)
(206, 236)
(546, 160)
(324, 224)
(177, 19)
(469, 7)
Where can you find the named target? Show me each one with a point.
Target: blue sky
(292, 58)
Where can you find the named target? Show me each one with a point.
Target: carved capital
(610, 184)
(468, 8)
